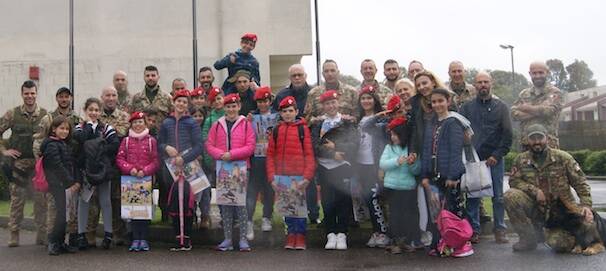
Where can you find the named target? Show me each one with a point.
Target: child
(180, 133)
(289, 156)
(232, 138)
(94, 168)
(202, 198)
(335, 139)
(198, 99)
(60, 174)
(215, 99)
(138, 156)
(241, 59)
(263, 120)
(400, 187)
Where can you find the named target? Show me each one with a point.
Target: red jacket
(286, 156)
(138, 154)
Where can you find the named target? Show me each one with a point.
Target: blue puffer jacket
(449, 152)
(183, 134)
(244, 61)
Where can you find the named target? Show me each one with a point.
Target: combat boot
(14, 239)
(73, 240)
(41, 238)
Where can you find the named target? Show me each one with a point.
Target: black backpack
(96, 164)
(274, 132)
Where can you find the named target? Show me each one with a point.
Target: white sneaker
(341, 241)
(382, 240)
(266, 224)
(372, 242)
(331, 243)
(250, 232)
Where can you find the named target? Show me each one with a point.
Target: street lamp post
(513, 73)
(195, 42)
(317, 41)
(71, 51)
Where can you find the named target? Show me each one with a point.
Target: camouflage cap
(239, 73)
(536, 129)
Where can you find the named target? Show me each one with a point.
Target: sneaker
(186, 244)
(144, 246)
(290, 241)
(341, 241)
(107, 240)
(226, 245)
(266, 224)
(475, 238)
(244, 246)
(300, 242)
(331, 242)
(54, 249)
(134, 246)
(372, 242)
(464, 251)
(382, 240)
(250, 231)
(82, 241)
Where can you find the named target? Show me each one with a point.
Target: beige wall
(128, 35)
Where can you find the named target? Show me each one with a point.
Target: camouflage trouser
(72, 220)
(525, 217)
(23, 171)
(118, 226)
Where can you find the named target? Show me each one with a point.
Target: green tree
(558, 75)
(581, 76)
(502, 85)
(350, 80)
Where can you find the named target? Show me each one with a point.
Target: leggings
(104, 192)
(227, 216)
(140, 229)
(368, 179)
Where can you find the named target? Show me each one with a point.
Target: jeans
(295, 225)
(498, 207)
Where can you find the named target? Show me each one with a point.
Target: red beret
(181, 93)
(329, 95)
(394, 103)
(396, 122)
(250, 36)
(262, 93)
(287, 102)
(212, 94)
(196, 92)
(136, 115)
(231, 98)
(368, 89)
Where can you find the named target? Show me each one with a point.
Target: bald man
(121, 85)
(539, 104)
(463, 91)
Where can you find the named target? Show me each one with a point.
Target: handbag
(477, 180)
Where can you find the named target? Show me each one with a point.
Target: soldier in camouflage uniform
(392, 72)
(463, 91)
(541, 103)
(368, 69)
(121, 84)
(19, 158)
(64, 100)
(540, 182)
(152, 96)
(348, 96)
(119, 120)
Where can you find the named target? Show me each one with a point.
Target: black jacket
(345, 136)
(110, 146)
(58, 161)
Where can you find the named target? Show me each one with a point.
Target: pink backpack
(39, 180)
(455, 231)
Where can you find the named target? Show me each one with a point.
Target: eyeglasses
(297, 75)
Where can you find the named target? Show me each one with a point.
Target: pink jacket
(242, 140)
(138, 154)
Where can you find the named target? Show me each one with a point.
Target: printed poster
(263, 125)
(136, 197)
(193, 173)
(232, 180)
(290, 199)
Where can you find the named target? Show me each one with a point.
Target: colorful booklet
(290, 198)
(136, 197)
(193, 173)
(263, 125)
(232, 181)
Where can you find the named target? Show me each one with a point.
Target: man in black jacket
(491, 123)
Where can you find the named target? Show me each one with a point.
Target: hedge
(592, 162)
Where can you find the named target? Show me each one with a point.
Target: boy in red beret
(241, 59)
(288, 155)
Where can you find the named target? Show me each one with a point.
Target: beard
(206, 85)
(539, 82)
(484, 93)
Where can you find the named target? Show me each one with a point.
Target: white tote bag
(477, 180)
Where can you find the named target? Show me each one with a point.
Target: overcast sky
(437, 32)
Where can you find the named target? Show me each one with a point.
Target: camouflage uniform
(119, 120)
(162, 103)
(348, 100)
(23, 126)
(554, 177)
(548, 100)
(124, 101)
(382, 91)
(462, 93)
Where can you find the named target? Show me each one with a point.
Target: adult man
(243, 85)
(206, 79)
(178, 84)
(463, 91)
(540, 196)
(348, 96)
(391, 70)
(19, 162)
(541, 103)
(119, 120)
(121, 85)
(414, 67)
(151, 96)
(492, 139)
(368, 69)
(298, 88)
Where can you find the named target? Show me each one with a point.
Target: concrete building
(588, 104)
(115, 35)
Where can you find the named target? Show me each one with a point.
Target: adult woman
(406, 90)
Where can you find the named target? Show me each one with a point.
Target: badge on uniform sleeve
(514, 170)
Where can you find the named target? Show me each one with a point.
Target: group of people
(399, 143)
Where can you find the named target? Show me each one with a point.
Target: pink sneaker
(464, 251)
